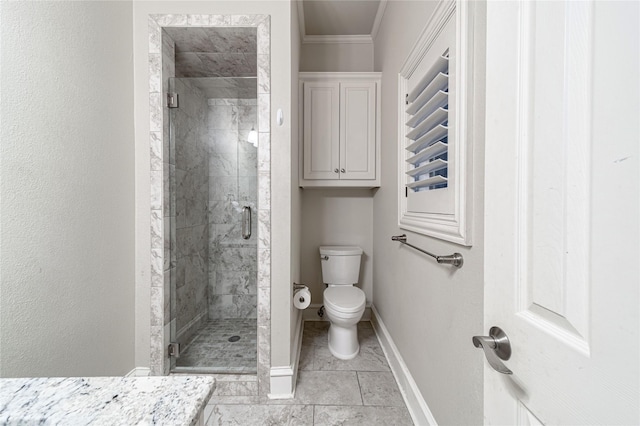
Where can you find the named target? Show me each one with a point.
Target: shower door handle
(246, 222)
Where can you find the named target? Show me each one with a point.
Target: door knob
(335, 170)
(342, 171)
(496, 346)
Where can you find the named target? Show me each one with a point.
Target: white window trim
(455, 227)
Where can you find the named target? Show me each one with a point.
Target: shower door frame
(161, 262)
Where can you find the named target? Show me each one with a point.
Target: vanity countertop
(166, 400)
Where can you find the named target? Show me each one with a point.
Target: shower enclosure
(213, 191)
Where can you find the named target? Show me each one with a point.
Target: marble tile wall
(228, 87)
(189, 141)
(233, 171)
(215, 51)
(163, 267)
(160, 181)
(214, 39)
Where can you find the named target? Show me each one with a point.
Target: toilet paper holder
(297, 287)
(301, 296)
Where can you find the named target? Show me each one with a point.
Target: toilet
(343, 302)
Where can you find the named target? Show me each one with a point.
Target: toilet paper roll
(302, 298)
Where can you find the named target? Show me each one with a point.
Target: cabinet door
(358, 130)
(321, 136)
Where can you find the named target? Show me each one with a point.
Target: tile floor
(330, 391)
(211, 351)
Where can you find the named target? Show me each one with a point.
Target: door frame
(159, 178)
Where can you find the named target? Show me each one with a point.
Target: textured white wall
(67, 305)
(336, 217)
(282, 195)
(346, 57)
(281, 152)
(431, 311)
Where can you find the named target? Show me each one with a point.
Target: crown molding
(379, 15)
(329, 39)
(445, 10)
(339, 75)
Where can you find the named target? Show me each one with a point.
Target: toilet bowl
(343, 302)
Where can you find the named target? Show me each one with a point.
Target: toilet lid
(347, 299)
(340, 250)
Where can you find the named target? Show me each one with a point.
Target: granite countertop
(172, 400)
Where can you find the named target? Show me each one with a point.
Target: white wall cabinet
(340, 130)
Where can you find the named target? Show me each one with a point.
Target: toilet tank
(340, 264)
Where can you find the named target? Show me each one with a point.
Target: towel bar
(454, 259)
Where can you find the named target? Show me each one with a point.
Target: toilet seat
(344, 299)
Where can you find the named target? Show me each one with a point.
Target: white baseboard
(283, 379)
(420, 412)
(296, 349)
(139, 372)
(281, 383)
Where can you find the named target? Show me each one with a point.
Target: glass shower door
(214, 242)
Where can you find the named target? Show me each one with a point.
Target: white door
(562, 211)
(321, 148)
(358, 130)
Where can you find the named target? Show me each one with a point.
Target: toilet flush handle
(324, 257)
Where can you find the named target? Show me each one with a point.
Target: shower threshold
(222, 346)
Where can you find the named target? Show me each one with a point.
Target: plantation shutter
(436, 106)
(427, 137)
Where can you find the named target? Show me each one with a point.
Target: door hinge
(174, 350)
(406, 99)
(406, 191)
(172, 100)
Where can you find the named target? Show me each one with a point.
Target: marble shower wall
(189, 137)
(163, 202)
(233, 171)
(215, 51)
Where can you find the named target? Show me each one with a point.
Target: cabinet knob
(335, 170)
(341, 170)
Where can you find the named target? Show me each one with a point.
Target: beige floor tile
(370, 358)
(367, 337)
(379, 388)
(306, 357)
(315, 333)
(291, 415)
(328, 388)
(238, 388)
(329, 391)
(361, 416)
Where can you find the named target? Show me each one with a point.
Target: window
(428, 129)
(434, 117)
